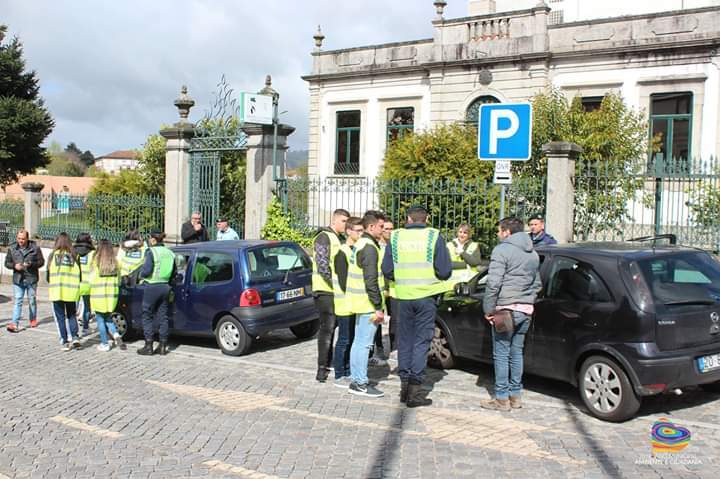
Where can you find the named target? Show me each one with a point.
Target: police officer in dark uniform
(157, 273)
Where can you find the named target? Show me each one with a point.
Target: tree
(87, 158)
(24, 121)
(447, 151)
(63, 163)
(72, 150)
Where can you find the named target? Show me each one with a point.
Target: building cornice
(372, 47)
(644, 16)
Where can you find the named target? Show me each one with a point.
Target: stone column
(560, 204)
(177, 169)
(33, 207)
(259, 183)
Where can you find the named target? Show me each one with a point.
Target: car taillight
(250, 297)
(639, 289)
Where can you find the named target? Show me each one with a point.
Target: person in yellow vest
(85, 253)
(104, 290)
(464, 254)
(64, 277)
(365, 285)
(326, 245)
(343, 313)
(157, 273)
(131, 253)
(418, 260)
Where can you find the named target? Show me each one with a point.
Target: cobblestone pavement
(196, 413)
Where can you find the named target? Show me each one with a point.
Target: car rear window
(273, 262)
(687, 278)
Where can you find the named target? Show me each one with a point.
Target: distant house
(116, 161)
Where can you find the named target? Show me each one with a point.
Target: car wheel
(306, 330)
(124, 328)
(711, 387)
(606, 390)
(440, 354)
(232, 337)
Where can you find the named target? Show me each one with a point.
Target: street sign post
(504, 136)
(255, 108)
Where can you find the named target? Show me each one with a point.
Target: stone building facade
(665, 63)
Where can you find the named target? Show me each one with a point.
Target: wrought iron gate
(216, 133)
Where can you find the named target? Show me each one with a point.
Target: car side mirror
(462, 289)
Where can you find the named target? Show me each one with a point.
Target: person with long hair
(157, 272)
(64, 277)
(85, 253)
(104, 291)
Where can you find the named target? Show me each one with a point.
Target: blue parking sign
(505, 131)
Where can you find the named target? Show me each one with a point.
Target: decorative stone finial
(440, 8)
(268, 90)
(318, 37)
(183, 104)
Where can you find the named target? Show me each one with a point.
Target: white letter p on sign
(496, 133)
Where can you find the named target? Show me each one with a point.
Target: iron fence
(12, 214)
(103, 216)
(624, 200)
(310, 201)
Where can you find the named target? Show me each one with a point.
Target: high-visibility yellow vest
(104, 291)
(341, 300)
(318, 283)
(64, 274)
(413, 258)
(130, 259)
(87, 270)
(359, 301)
(466, 272)
(163, 261)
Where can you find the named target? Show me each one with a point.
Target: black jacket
(189, 235)
(367, 259)
(30, 254)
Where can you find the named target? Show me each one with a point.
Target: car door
(208, 290)
(573, 309)
(470, 331)
(180, 289)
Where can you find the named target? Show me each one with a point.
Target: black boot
(146, 350)
(416, 396)
(403, 391)
(322, 374)
(161, 348)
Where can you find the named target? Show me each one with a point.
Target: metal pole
(275, 131)
(502, 201)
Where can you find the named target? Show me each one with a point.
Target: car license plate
(709, 363)
(290, 294)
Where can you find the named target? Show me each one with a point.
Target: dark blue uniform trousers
(155, 306)
(416, 328)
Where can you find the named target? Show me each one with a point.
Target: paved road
(197, 413)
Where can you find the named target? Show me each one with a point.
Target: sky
(109, 71)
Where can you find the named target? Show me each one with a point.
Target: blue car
(234, 291)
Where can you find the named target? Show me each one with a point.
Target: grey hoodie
(513, 275)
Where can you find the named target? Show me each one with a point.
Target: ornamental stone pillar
(33, 207)
(177, 169)
(560, 205)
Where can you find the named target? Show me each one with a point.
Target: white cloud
(109, 70)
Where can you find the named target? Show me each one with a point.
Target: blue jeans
(104, 324)
(65, 310)
(85, 301)
(19, 293)
(508, 357)
(416, 328)
(346, 335)
(361, 345)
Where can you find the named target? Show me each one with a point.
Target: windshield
(273, 262)
(686, 278)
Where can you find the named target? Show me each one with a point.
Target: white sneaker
(103, 347)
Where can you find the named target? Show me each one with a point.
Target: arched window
(472, 112)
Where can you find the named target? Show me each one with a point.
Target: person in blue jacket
(538, 235)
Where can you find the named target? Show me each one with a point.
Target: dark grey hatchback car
(617, 320)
